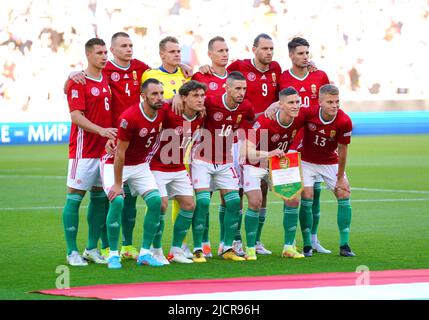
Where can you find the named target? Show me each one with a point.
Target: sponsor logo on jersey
(95, 91)
(274, 77)
(263, 77)
(115, 76)
(124, 124)
(312, 126)
(143, 132)
(126, 76)
(178, 130)
(75, 94)
(302, 89)
(275, 137)
(134, 75)
(285, 136)
(218, 116)
(313, 89)
(104, 90)
(213, 86)
(229, 118)
(239, 118)
(323, 131)
(153, 130)
(251, 76)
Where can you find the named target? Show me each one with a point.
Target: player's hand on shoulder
(311, 66)
(77, 77)
(109, 133)
(206, 69)
(187, 70)
(115, 191)
(271, 111)
(177, 104)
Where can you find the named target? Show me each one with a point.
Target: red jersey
(174, 142)
(142, 132)
(307, 87)
(220, 125)
(321, 138)
(262, 87)
(125, 85)
(270, 134)
(215, 83)
(93, 99)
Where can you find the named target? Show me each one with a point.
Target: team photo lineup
(166, 133)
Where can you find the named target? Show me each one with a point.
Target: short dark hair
(89, 45)
(120, 34)
(164, 41)
(191, 86)
(287, 92)
(213, 40)
(297, 42)
(329, 89)
(148, 82)
(259, 36)
(235, 75)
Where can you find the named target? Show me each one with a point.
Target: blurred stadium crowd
(369, 48)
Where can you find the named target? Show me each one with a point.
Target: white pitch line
(216, 204)
(392, 190)
(6, 176)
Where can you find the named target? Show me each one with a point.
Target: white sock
(175, 249)
(314, 238)
(157, 251)
(144, 252)
(114, 253)
(287, 246)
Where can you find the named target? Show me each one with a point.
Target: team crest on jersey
(95, 91)
(274, 77)
(213, 86)
(312, 126)
(178, 130)
(134, 75)
(143, 132)
(239, 118)
(275, 137)
(115, 76)
(251, 76)
(332, 133)
(218, 116)
(124, 124)
(314, 89)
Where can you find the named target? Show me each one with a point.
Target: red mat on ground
(298, 281)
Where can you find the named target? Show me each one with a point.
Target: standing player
(213, 159)
(308, 85)
(91, 121)
(327, 129)
(262, 74)
(271, 138)
(171, 75)
(218, 53)
(123, 74)
(138, 139)
(169, 170)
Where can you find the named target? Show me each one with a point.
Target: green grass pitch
(390, 229)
